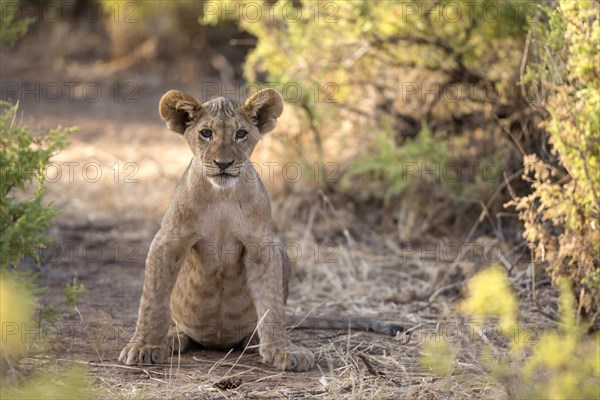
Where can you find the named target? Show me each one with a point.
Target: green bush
(381, 172)
(24, 216)
(562, 214)
(11, 29)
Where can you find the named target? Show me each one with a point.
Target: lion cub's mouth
(224, 179)
(226, 174)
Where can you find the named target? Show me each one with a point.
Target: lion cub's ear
(264, 108)
(178, 109)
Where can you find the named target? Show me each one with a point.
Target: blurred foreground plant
(560, 364)
(17, 307)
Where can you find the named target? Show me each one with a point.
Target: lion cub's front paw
(135, 353)
(288, 358)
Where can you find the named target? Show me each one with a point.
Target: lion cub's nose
(223, 165)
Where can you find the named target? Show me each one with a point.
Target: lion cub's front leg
(149, 344)
(264, 274)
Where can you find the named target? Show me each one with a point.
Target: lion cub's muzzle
(223, 173)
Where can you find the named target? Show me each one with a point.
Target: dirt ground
(112, 184)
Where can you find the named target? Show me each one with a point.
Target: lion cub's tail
(360, 323)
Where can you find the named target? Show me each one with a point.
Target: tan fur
(214, 268)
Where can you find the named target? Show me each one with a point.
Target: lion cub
(213, 271)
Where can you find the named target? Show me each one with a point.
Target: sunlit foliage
(562, 215)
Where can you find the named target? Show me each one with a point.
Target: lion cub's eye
(206, 134)
(242, 133)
